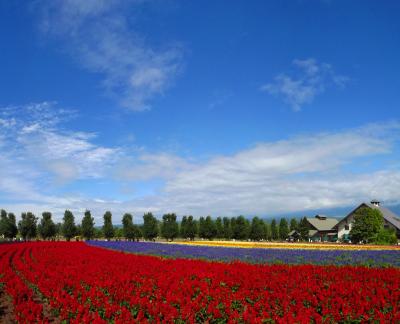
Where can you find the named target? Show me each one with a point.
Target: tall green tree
(267, 231)
(12, 229)
(183, 227)
(3, 222)
(210, 230)
(303, 229)
(87, 225)
(240, 228)
(47, 228)
(191, 228)
(68, 225)
(283, 229)
(27, 226)
(202, 227)
(367, 223)
(150, 226)
(8, 226)
(257, 229)
(169, 227)
(274, 230)
(108, 228)
(219, 228)
(128, 227)
(226, 223)
(293, 224)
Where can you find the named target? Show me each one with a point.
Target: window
(346, 227)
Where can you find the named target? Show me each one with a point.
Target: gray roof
(387, 214)
(311, 233)
(322, 224)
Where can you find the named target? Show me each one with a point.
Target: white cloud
(296, 174)
(100, 37)
(301, 173)
(299, 90)
(36, 141)
(152, 166)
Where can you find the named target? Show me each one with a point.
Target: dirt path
(6, 309)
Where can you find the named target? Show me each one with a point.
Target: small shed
(294, 236)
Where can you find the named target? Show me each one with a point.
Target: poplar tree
(303, 229)
(150, 226)
(283, 229)
(27, 226)
(219, 228)
(87, 226)
(210, 229)
(274, 230)
(226, 224)
(8, 226)
(169, 227)
(191, 228)
(183, 227)
(293, 224)
(240, 228)
(128, 227)
(68, 226)
(257, 229)
(46, 228)
(108, 229)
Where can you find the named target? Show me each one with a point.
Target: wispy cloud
(32, 137)
(147, 166)
(301, 89)
(99, 34)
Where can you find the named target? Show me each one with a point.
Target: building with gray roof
(321, 228)
(391, 220)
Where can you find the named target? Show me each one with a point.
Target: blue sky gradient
(262, 108)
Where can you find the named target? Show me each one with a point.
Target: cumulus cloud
(98, 34)
(299, 90)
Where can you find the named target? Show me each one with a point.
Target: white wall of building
(345, 227)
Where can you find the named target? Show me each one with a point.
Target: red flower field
(55, 281)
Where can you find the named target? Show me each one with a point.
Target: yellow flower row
(284, 245)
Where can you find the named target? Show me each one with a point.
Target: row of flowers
(258, 255)
(26, 309)
(80, 284)
(283, 245)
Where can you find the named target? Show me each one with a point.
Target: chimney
(375, 203)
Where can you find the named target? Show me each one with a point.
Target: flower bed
(378, 258)
(77, 283)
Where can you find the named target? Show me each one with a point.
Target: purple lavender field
(385, 258)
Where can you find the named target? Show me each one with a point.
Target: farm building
(294, 236)
(321, 229)
(391, 220)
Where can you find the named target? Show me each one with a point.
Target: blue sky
(214, 107)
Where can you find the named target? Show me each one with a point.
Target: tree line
(238, 228)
